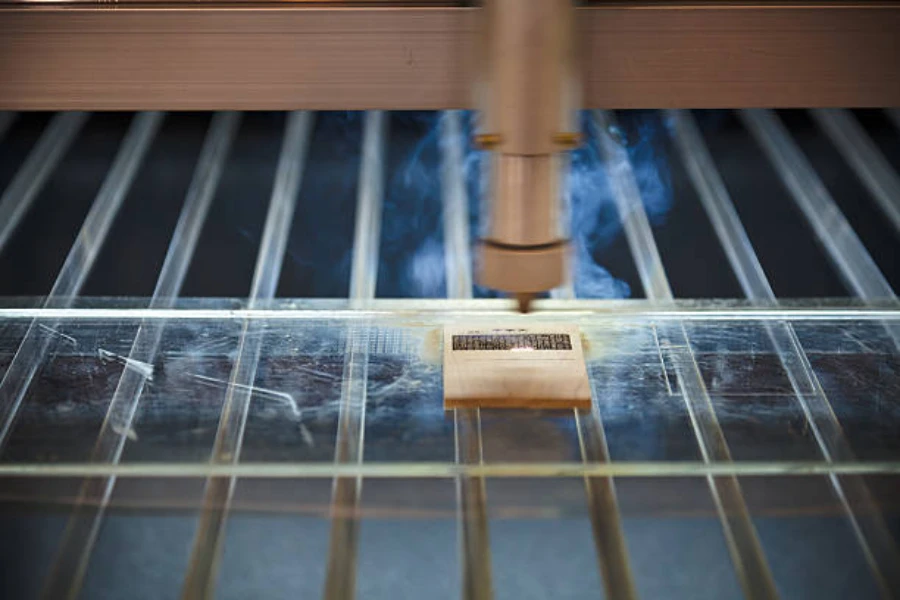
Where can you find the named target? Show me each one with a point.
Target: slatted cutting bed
(220, 342)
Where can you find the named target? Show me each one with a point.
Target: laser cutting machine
(220, 331)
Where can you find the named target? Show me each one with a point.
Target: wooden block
(532, 366)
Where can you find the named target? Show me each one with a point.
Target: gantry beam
(355, 56)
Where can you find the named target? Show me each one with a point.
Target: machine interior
(195, 389)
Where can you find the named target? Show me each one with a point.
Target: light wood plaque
(531, 366)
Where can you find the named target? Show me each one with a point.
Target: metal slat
(856, 500)
(637, 469)
(34, 346)
(601, 311)
(864, 157)
(340, 579)
(73, 553)
(717, 203)
(471, 493)
(457, 256)
(835, 234)
(34, 172)
(606, 522)
(471, 500)
(367, 234)
(207, 546)
(750, 563)
(210, 165)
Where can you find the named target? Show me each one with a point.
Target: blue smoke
(595, 221)
(643, 133)
(319, 250)
(411, 261)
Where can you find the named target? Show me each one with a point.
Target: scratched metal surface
(408, 522)
(297, 388)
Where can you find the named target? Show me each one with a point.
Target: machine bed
(220, 345)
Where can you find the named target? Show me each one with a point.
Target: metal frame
(288, 56)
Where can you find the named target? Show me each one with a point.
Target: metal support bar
(746, 551)
(854, 495)
(631, 469)
(863, 156)
(457, 255)
(207, 547)
(471, 501)
(340, 582)
(601, 311)
(33, 174)
(717, 203)
(200, 194)
(340, 579)
(606, 522)
(34, 346)
(74, 551)
(367, 235)
(835, 234)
